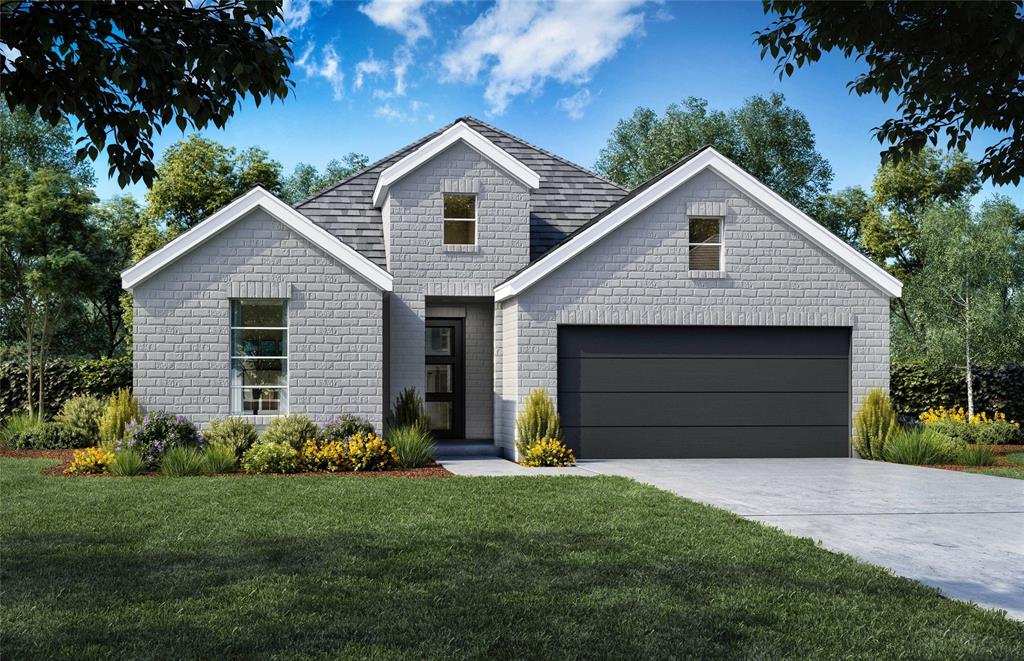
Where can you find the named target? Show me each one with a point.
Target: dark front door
(445, 395)
(704, 391)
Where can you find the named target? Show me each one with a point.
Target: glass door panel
(445, 393)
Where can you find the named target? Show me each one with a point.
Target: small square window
(705, 244)
(459, 219)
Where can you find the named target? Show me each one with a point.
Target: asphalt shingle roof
(568, 197)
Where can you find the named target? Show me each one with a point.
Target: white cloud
(396, 114)
(327, 67)
(403, 58)
(575, 105)
(405, 17)
(296, 13)
(368, 67)
(520, 45)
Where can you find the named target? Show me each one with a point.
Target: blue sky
(373, 76)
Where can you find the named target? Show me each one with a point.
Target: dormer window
(459, 219)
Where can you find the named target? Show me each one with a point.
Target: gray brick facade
(181, 325)
(640, 275)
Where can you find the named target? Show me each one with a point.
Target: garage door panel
(750, 341)
(707, 442)
(703, 374)
(706, 409)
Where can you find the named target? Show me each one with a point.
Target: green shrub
(975, 455)
(219, 458)
(122, 409)
(548, 452)
(992, 432)
(82, 414)
(182, 461)
(413, 445)
(874, 425)
(157, 433)
(294, 430)
(408, 411)
(920, 446)
(238, 433)
(15, 425)
(344, 427)
(49, 436)
(538, 419)
(126, 463)
(63, 380)
(271, 458)
(916, 387)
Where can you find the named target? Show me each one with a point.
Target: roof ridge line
(545, 152)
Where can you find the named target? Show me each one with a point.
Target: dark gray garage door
(704, 391)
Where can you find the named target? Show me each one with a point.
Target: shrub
(219, 458)
(238, 433)
(344, 427)
(15, 425)
(874, 425)
(48, 436)
(82, 414)
(325, 455)
(271, 458)
(916, 387)
(369, 452)
(64, 379)
(538, 419)
(157, 433)
(294, 430)
(182, 461)
(413, 445)
(121, 410)
(919, 446)
(126, 462)
(90, 460)
(975, 455)
(408, 411)
(548, 452)
(995, 432)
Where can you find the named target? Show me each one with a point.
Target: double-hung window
(459, 219)
(705, 244)
(259, 356)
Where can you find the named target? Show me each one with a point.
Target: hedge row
(63, 380)
(916, 388)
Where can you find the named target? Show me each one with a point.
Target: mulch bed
(433, 472)
(1000, 461)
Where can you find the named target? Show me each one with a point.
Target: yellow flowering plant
(959, 414)
(548, 452)
(369, 452)
(325, 456)
(90, 461)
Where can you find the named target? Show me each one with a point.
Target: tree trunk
(29, 329)
(967, 347)
(42, 356)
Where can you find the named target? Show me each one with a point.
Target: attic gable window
(705, 244)
(459, 219)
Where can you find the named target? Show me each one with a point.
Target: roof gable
(458, 132)
(257, 198)
(661, 185)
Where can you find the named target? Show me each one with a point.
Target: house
(699, 315)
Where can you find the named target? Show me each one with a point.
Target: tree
(970, 290)
(305, 180)
(197, 176)
(764, 136)
(843, 212)
(123, 69)
(954, 67)
(117, 222)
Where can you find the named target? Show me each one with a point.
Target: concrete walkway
(959, 532)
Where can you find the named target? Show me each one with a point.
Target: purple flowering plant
(156, 433)
(344, 427)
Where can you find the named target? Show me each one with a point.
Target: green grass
(1014, 472)
(1015, 457)
(292, 567)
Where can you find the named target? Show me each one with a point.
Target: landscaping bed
(527, 567)
(1009, 463)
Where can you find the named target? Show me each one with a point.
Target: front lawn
(479, 567)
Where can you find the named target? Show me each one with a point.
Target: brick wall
(181, 325)
(639, 275)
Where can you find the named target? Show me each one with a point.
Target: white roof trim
(709, 158)
(239, 208)
(455, 133)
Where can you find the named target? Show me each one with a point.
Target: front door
(445, 393)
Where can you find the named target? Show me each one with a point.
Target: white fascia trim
(239, 208)
(709, 158)
(453, 134)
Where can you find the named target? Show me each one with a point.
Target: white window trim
(720, 243)
(286, 408)
(473, 220)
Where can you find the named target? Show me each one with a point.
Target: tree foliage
(197, 176)
(124, 69)
(764, 136)
(954, 67)
(306, 180)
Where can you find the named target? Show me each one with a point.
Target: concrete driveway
(962, 533)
